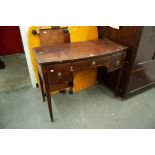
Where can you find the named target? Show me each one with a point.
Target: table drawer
(59, 73)
(82, 65)
(91, 63)
(106, 61)
(117, 60)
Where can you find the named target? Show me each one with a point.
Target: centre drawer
(59, 73)
(83, 65)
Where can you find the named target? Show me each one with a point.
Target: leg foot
(99, 82)
(62, 91)
(70, 91)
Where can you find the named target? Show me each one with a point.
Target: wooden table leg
(120, 75)
(118, 82)
(119, 78)
(42, 88)
(47, 88)
(71, 83)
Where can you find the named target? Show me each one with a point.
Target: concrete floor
(21, 105)
(15, 75)
(92, 108)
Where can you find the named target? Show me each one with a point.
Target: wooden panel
(138, 80)
(49, 37)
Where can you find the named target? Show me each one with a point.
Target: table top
(68, 52)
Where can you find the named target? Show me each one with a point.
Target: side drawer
(117, 60)
(59, 73)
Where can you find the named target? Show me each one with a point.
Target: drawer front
(83, 65)
(117, 60)
(106, 61)
(59, 73)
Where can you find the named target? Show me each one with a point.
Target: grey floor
(21, 105)
(92, 108)
(15, 75)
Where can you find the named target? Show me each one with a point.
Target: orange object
(84, 79)
(83, 33)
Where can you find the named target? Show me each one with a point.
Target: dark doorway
(10, 40)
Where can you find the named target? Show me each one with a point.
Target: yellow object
(83, 33)
(84, 79)
(33, 41)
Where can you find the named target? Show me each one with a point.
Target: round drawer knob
(118, 62)
(59, 74)
(94, 62)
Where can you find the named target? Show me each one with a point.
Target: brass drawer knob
(94, 62)
(59, 74)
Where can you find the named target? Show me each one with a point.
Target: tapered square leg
(42, 88)
(47, 89)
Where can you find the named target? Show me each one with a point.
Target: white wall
(24, 35)
(115, 27)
